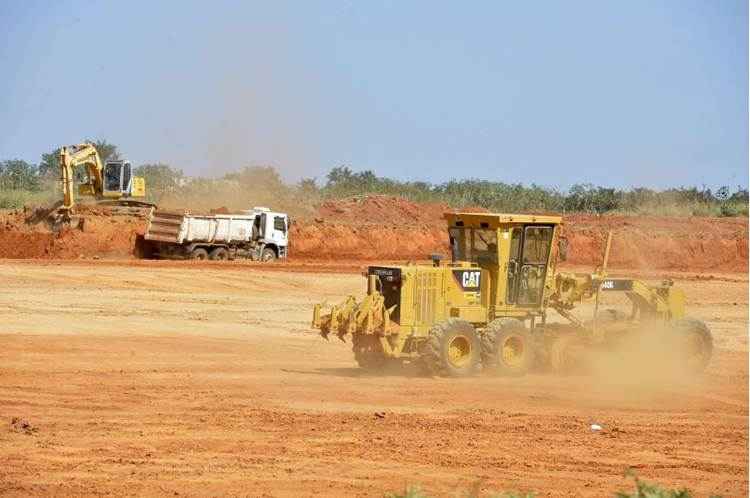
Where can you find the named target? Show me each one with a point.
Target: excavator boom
(79, 155)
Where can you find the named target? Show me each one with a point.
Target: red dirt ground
(165, 378)
(380, 227)
(129, 377)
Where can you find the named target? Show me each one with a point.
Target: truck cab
(272, 229)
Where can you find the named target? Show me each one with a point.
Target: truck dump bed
(181, 227)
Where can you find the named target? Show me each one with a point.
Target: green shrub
(342, 182)
(643, 489)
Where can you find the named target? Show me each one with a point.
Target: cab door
(527, 264)
(280, 230)
(118, 179)
(113, 177)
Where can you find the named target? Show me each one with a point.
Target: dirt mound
(384, 241)
(381, 209)
(383, 227)
(105, 235)
(657, 242)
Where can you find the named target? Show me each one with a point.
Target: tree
(16, 174)
(49, 166)
(307, 186)
(106, 150)
(160, 179)
(339, 174)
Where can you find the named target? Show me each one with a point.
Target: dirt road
(180, 380)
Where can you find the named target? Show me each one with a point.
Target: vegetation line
(22, 183)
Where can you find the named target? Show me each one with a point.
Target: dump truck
(258, 234)
(490, 308)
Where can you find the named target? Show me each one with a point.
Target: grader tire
(368, 353)
(452, 349)
(695, 342)
(507, 348)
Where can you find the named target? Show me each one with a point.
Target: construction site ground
(143, 378)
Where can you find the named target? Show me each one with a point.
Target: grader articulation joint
(490, 307)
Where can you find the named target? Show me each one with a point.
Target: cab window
(279, 223)
(112, 177)
(536, 244)
(473, 244)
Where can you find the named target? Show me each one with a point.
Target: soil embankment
(380, 227)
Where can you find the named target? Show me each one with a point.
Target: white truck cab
(272, 232)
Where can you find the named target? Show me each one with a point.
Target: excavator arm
(73, 156)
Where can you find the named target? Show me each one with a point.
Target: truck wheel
(199, 253)
(368, 353)
(452, 349)
(507, 348)
(694, 342)
(219, 254)
(268, 255)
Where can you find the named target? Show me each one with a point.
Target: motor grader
(490, 307)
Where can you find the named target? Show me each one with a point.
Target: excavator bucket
(351, 318)
(56, 218)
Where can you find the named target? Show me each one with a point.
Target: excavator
(112, 185)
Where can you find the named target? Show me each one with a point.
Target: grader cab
(488, 308)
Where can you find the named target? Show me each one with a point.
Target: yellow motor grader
(489, 308)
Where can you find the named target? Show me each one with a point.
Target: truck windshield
(473, 244)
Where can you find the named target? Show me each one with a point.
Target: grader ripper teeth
(500, 305)
(370, 317)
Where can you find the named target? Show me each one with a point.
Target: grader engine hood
(405, 299)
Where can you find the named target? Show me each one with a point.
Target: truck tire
(199, 253)
(219, 254)
(268, 255)
(452, 349)
(507, 348)
(694, 342)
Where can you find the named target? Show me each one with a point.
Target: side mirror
(562, 249)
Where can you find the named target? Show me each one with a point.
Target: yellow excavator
(112, 185)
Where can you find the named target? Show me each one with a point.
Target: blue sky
(620, 93)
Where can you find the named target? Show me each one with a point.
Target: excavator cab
(120, 182)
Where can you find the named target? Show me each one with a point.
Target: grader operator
(489, 307)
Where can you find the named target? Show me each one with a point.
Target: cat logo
(468, 279)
